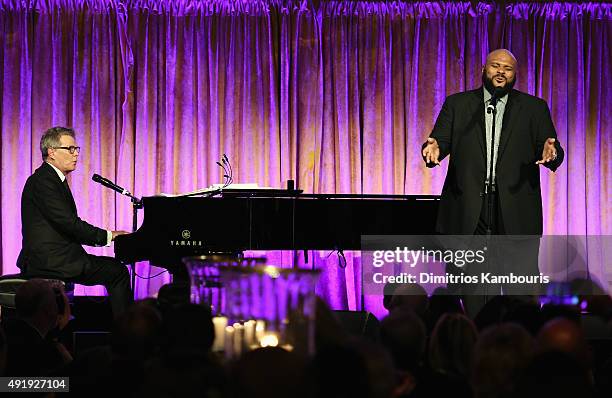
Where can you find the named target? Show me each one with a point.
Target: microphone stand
(489, 185)
(136, 205)
(492, 108)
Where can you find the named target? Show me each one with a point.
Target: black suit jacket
(460, 132)
(52, 231)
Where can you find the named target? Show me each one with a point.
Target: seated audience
(329, 332)
(403, 334)
(162, 348)
(563, 335)
(186, 366)
(356, 369)
(120, 367)
(555, 374)
(527, 314)
(441, 302)
(30, 351)
(411, 296)
(451, 346)
(500, 358)
(3, 350)
(270, 372)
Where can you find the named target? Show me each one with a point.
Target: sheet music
(214, 188)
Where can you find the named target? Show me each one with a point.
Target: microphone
(229, 173)
(497, 94)
(109, 184)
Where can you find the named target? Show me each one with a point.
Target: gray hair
(51, 138)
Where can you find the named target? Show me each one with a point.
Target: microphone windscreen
(96, 178)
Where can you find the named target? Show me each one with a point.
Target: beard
(487, 82)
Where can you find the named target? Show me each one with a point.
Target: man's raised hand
(431, 152)
(549, 153)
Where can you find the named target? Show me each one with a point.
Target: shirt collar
(487, 97)
(59, 173)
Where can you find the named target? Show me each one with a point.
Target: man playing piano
(53, 233)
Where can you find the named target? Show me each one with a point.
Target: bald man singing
(524, 140)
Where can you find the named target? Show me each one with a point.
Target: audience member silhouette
(451, 345)
(29, 350)
(563, 335)
(500, 358)
(270, 372)
(186, 367)
(439, 303)
(555, 374)
(357, 369)
(410, 296)
(3, 352)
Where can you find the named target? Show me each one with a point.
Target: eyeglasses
(71, 149)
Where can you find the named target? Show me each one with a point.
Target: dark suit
(52, 238)
(460, 132)
(517, 202)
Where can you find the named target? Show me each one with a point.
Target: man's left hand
(549, 153)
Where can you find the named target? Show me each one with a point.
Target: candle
(229, 342)
(219, 322)
(269, 339)
(260, 328)
(249, 333)
(238, 339)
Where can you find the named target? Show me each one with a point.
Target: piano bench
(10, 283)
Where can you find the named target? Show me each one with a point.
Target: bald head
(499, 71)
(409, 296)
(563, 335)
(503, 55)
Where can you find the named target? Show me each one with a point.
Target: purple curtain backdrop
(338, 96)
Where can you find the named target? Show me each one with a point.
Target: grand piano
(175, 227)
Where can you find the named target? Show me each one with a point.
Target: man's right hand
(117, 233)
(431, 152)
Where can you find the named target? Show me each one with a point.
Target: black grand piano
(175, 227)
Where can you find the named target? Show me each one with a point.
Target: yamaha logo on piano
(186, 235)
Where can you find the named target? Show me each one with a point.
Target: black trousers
(113, 275)
(506, 255)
